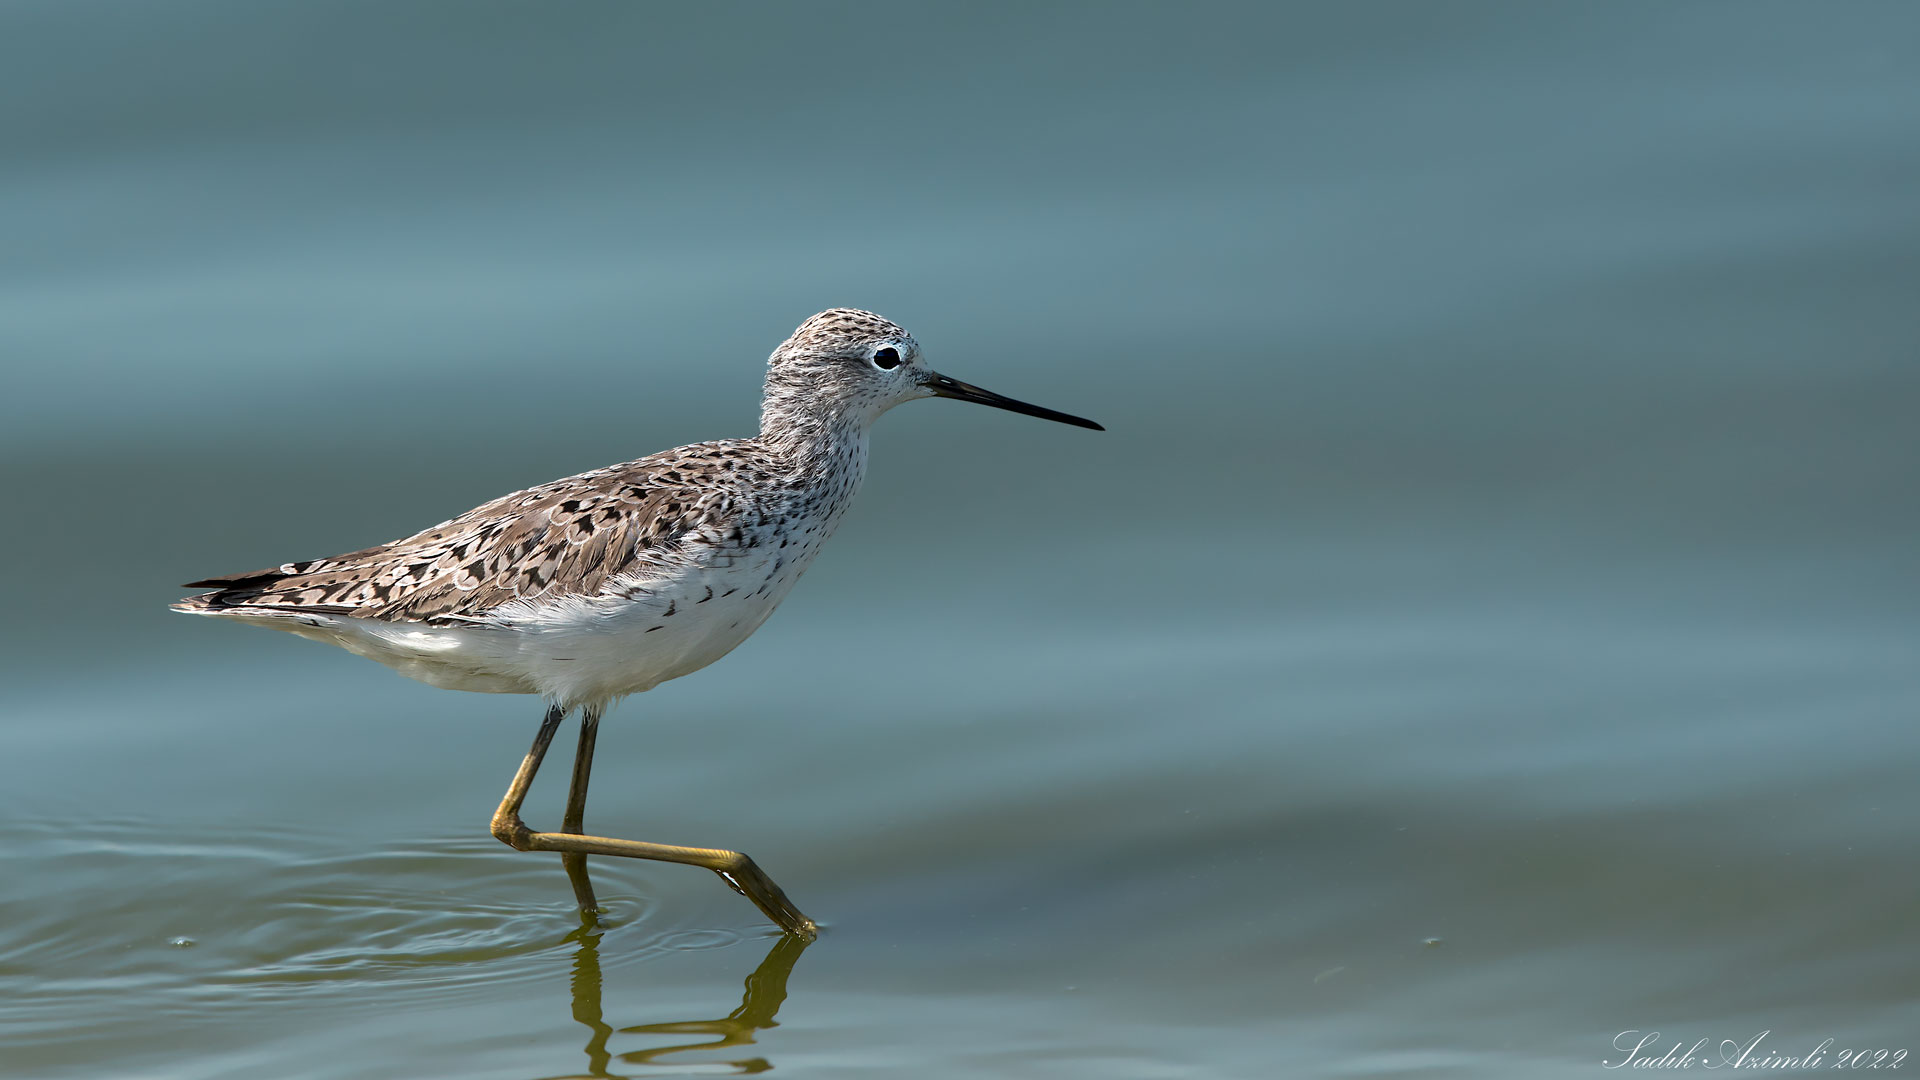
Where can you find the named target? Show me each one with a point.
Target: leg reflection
(766, 990)
(586, 993)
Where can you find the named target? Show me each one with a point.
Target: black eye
(886, 359)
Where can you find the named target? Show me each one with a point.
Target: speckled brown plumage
(567, 537)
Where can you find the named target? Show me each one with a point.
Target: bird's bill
(942, 386)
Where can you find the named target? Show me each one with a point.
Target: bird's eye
(886, 359)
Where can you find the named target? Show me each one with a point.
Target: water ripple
(275, 914)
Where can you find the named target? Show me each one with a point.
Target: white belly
(579, 650)
(608, 646)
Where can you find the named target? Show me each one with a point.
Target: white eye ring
(886, 358)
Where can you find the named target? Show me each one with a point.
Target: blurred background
(1488, 626)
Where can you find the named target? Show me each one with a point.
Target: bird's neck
(819, 443)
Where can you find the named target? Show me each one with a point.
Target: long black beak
(954, 388)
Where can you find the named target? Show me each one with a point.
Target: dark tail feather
(237, 581)
(253, 579)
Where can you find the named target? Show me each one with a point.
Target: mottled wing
(564, 538)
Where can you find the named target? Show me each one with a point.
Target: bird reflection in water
(766, 989)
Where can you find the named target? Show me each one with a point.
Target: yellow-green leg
(736, 869)
(573, 822)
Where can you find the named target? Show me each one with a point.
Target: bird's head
(852, 364)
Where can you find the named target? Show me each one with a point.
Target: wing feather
(568, 537)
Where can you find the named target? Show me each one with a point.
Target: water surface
(1488, 626)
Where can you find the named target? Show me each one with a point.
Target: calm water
(1489, 626)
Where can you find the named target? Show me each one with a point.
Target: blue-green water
(1491, 623)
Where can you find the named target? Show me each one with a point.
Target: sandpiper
(590, 588)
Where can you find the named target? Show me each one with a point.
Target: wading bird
(587, 589)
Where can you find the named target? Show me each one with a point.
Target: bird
(594, 587)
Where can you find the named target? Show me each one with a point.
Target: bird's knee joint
(511, 831)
